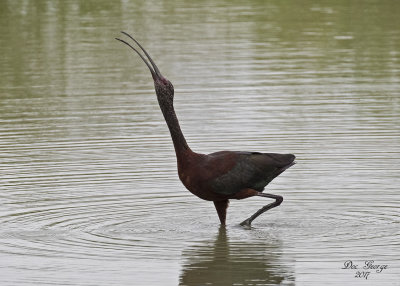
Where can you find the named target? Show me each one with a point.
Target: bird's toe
(246, 223)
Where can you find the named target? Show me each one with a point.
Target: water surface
(89, 187)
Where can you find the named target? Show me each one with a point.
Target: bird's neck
(178, 139)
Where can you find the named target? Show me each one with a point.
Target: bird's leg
(278, 201)
(221, 207)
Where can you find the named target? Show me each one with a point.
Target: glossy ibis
(219, 176)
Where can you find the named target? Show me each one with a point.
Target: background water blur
(89, 188)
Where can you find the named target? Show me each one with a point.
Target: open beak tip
(155, 73)
(126, 34)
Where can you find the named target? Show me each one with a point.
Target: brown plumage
(219, 176)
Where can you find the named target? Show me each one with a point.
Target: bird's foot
(246, 223)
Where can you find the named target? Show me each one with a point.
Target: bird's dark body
(230, 175)
(219, 176)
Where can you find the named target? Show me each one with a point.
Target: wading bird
(219, 176)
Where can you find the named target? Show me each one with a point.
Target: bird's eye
(164, 81)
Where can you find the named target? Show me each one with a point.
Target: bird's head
(164, 88)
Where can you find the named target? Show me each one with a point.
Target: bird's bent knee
(279, 200)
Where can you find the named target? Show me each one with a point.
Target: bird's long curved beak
(155, 72)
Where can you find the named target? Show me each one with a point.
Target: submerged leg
(278, 201)
(221, 207)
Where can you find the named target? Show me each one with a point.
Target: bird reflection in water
(233, 263)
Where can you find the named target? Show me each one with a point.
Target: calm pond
(89, 187)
